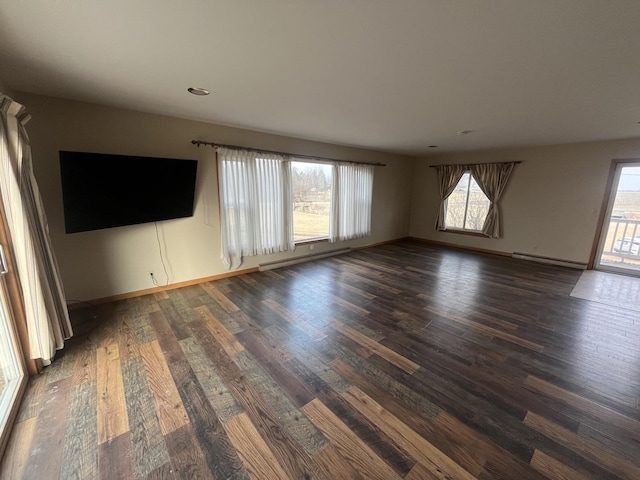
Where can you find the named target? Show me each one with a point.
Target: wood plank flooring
(401, 361)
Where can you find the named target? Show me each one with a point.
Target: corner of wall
(550, 208)
(422, 197)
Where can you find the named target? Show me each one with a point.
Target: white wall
(551, 205)
(113, 261)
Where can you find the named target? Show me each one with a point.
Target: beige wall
(5, 89)
(551, 205)
(117, 260)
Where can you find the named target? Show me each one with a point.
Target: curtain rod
(469, 164)
(258, 150)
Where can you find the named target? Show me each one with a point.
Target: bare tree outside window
(467, 206)
(311, 184)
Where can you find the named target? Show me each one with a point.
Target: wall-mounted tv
(103, 191)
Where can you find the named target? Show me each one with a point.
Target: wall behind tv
(114, 261)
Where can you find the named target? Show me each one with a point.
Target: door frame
(18, 328)
(16, 396)
(607, 206)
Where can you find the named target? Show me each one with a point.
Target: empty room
(293, 239)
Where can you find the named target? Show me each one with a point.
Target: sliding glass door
(619, 246)
(12, 369)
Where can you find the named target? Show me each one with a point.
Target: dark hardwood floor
(401, 361)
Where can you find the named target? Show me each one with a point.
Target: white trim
(550, 261)
(301, 259)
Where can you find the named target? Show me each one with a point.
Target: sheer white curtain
(256, 204)
(44, 303)
(351, 202)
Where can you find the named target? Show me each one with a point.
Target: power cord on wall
(164, 267)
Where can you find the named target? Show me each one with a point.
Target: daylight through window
(467, 206)
(269, 202)
(311, 184)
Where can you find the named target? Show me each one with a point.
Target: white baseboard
(301, 259)
(550, 261)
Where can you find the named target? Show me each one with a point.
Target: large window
(311, 184)
(255, 204)
(270, 201)
(467, 206)
(470, 197)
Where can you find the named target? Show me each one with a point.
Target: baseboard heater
(550, 261)
(301, 259)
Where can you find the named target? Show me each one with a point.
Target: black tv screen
(102, 190)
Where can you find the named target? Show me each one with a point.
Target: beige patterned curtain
(448, 178)
(45, 309)
(492, 179)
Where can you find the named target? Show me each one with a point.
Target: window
(470, 196)
(268, 202)
(467, 206)
(311, 185)
(255, 200)
(353, 192)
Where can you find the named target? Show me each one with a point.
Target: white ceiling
(390, 75)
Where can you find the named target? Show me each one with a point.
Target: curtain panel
(352, 193)
(448, 178)
(256, 204)
(43, 298)
(492, 178)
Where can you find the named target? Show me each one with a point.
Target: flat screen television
(103, 191)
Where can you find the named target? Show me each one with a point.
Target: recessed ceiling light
(198, 91)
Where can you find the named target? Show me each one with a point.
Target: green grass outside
(308, 225)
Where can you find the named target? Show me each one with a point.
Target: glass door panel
(619, 246)
(12, 369)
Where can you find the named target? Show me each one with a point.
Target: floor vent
(301, 259)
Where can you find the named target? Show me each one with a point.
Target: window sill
(311, 241)
(471, 233)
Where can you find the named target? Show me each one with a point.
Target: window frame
(319, 239)
(463, 230)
